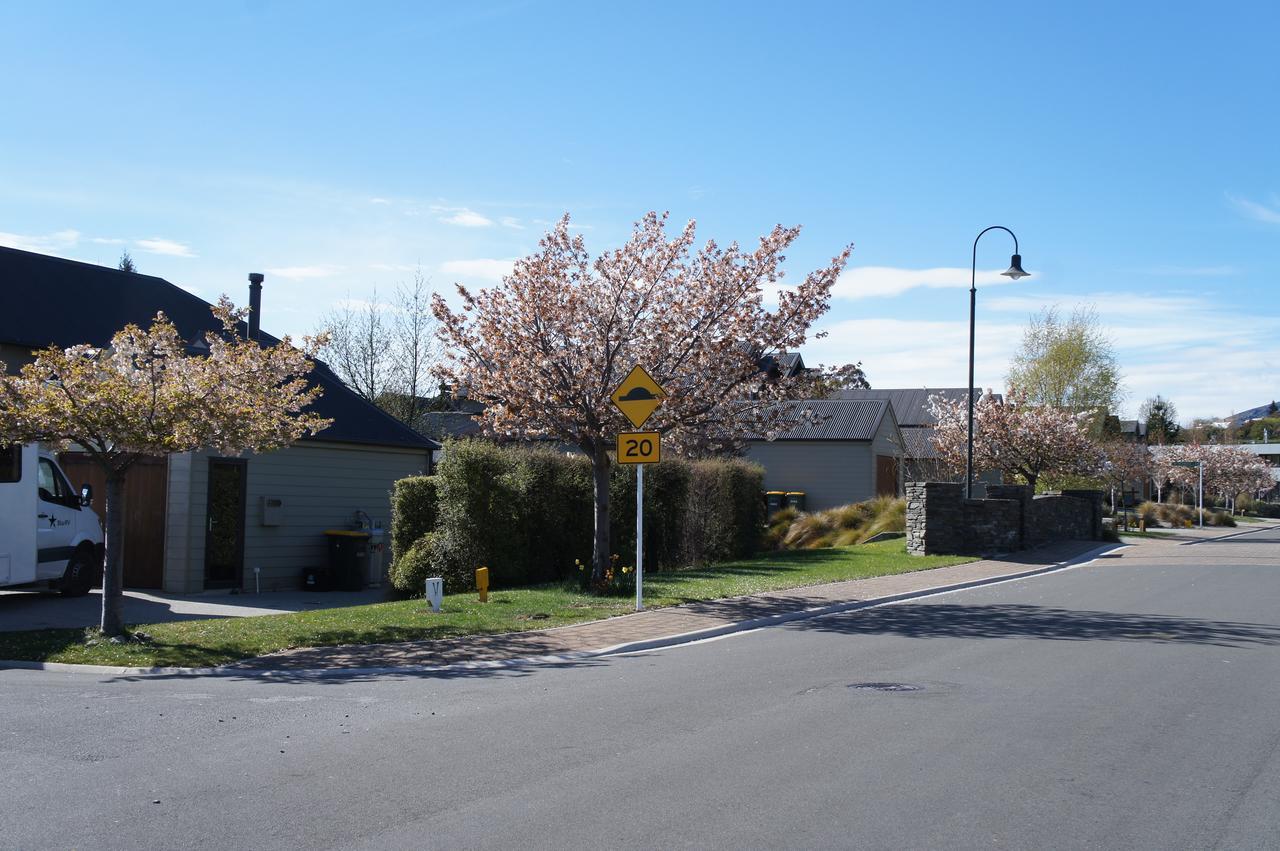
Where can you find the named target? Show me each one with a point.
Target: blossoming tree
(1126, 464)
(1028, 440)
(1228, 470)
(545, 348)
(147, 394)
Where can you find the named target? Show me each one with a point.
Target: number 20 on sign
(639, 447)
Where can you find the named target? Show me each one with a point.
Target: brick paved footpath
(659, 627)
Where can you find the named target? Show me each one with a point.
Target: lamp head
(1015, 269)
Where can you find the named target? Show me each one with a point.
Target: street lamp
(1014, 271)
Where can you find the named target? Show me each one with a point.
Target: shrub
(1218, 518)
(779, 525)
(413, 512)
(425, 558)
(527, 513)
(846, 524)
(1157, 513)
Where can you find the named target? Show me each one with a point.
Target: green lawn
(222, 640)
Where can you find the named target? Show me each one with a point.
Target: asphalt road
(1130, 704)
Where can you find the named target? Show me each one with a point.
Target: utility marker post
(638, 396)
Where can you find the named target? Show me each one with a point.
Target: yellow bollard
(482, 583)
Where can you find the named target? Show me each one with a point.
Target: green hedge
(413, 512)
(526, 514)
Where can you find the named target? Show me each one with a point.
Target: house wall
(888, 441)
(322, 485)
(830, 472)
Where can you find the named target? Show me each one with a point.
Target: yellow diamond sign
(638, 396)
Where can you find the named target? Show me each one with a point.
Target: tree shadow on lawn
(1008, 620)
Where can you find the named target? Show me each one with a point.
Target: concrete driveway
(20, 610)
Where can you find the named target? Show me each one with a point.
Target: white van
(48, 532)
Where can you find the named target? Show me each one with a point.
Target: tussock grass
(842, 526)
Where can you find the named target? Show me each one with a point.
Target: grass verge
(199, 643)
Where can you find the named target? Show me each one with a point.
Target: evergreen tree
(1161, 418)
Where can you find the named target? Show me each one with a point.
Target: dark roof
(911, 406)
(917, 442)
(786, 364)
(49, 300)
(1133, 427)
(442, 424)
(839, 420)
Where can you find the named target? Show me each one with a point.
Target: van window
(10, 463)
(53, 487)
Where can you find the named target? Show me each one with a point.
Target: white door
(58, 508)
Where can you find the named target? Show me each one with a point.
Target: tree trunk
(113, 569)
(600, 548)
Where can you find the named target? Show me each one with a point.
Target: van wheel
(79, 576)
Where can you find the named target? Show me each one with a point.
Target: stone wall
(940, 520)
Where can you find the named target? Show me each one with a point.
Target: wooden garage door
(886, 475)
(144, 507)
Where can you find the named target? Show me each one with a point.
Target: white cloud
(168, 247)
(483, 269)
(106, 240)
(303, 273)
(871, 281)
(1270, 214)
(379, 200)
(41, 243)
(392, 267)
(1210, 360)
(512, 222)
(463, 217)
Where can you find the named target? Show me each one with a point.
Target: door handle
(42, 516)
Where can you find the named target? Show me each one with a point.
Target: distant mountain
(1251, 414)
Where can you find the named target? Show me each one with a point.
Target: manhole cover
(885, 687)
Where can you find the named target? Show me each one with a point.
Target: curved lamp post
(1014, 271)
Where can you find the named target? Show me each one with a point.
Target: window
(10, 463)
(53, 487)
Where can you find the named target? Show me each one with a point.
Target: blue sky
(1134, 148)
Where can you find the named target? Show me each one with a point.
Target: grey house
(851, 454)
(921, 462)
(196, 520)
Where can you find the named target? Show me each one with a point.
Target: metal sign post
(638, 396)
(639, 537)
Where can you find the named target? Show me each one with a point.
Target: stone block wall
(941, 521)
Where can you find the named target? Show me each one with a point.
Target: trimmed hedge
(413, 512)
(527, 514)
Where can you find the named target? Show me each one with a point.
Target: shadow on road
(1009, 620)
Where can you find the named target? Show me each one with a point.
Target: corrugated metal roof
(918, 442)
(911, 405)
(839, 419)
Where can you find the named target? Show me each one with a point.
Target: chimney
(255, 304)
